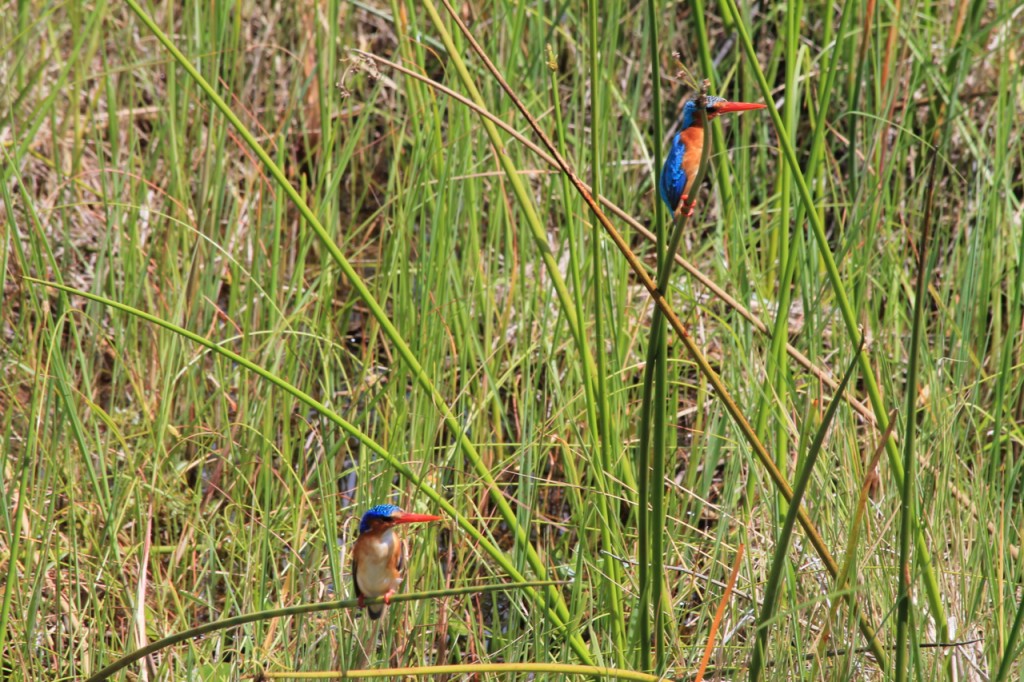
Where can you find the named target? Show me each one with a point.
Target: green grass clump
(256, 280)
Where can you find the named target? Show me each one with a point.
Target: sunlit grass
(152, 484)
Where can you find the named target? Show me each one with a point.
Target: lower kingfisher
(378, 557)
(683, 158)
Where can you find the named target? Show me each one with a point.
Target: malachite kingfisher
(683, 158)
(378, 557)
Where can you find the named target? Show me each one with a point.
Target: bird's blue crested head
(382, 512)
(690, 116)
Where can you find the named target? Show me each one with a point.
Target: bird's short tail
(374, 611)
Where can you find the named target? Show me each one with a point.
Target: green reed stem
(613, 569)
(298, 610)
(654, 377)
(908, 499)
(472, 671)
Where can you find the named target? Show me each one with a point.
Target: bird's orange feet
(387, 596)
(682, 205)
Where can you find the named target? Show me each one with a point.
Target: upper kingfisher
(378, 557)
(680, 169)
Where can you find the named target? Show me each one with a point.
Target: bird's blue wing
(673, 177)
(355, 580)
(403, 550)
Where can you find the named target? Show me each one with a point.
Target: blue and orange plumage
(378, 557)
(683, 160)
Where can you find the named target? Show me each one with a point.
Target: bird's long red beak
(730, 107)
(414, 518)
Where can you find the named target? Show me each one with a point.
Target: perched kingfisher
(683, 158)
(378, 557)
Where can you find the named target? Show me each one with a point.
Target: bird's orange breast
(693, 141)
